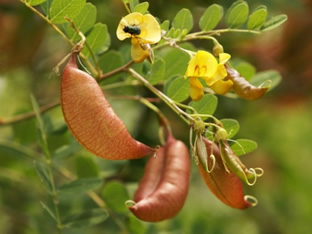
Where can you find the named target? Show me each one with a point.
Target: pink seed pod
(164, 197)
(91, 119)
(225, 185)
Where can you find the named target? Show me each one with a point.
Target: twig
(117, 70)
(28, 115)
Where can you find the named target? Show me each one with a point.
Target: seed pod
(249, 176)
(226, 186)
(167, 197)
(243, 88)
(152, 175)
(91, 119)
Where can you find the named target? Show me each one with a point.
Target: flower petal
(223, 58)
(138, 54)
(207, 64)
(150, 29)
(203, 64)
(222, 86)
(219, 75)
(196, 89)
(133, 19)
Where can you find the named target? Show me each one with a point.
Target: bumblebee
(133, 30)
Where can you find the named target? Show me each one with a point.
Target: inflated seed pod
(225, 185)
(92, 120)
(152, 175)
(167, 198)
(243, 88)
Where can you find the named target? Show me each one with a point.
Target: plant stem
(117, 70)
(162, 96)
(28, 115)
(121, 84)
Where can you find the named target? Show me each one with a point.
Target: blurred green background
(280, 122)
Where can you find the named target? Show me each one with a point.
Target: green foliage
(257, 18)
(86, 167)
(246, 69)
(176, 66)
(81, 185)
(35, 2)
(271, 75)
(134, 225)
(86, 219)
(43, 174)
(178, 89)
(46, 5)
(207, 105)
(65, 8)
(98, 40)
(84, 21)
(110, 61)
(237, 14)
(183, 20)
(274, 22)
(48, 210)
(157, 72)
(165, 25)
(141, 7)
(244, 146)
(211, 17)
(116, 203)
(231, 126)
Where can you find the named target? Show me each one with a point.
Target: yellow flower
(206, 66)
(143, 30)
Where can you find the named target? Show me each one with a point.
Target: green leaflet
(98, 40)
(48, 210)
(44, 176)
(65, 8)
(157, 72)
(269, 75)
(257, 18)
(237, 14)
(207, 105)
(141, 7)
(116, 203)
(231, 126)
(274, 22)
(211, 17)
(183, 20)
(245, 69)
(178, 89)
(243, 146)
(83, 21)
(81, 185)
(86, 219)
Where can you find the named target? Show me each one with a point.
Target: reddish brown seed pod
(243, 88)
(226, 186)
(152, 175)
(166, 198)
(92, 120)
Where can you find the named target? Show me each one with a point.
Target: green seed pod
(236, 166)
